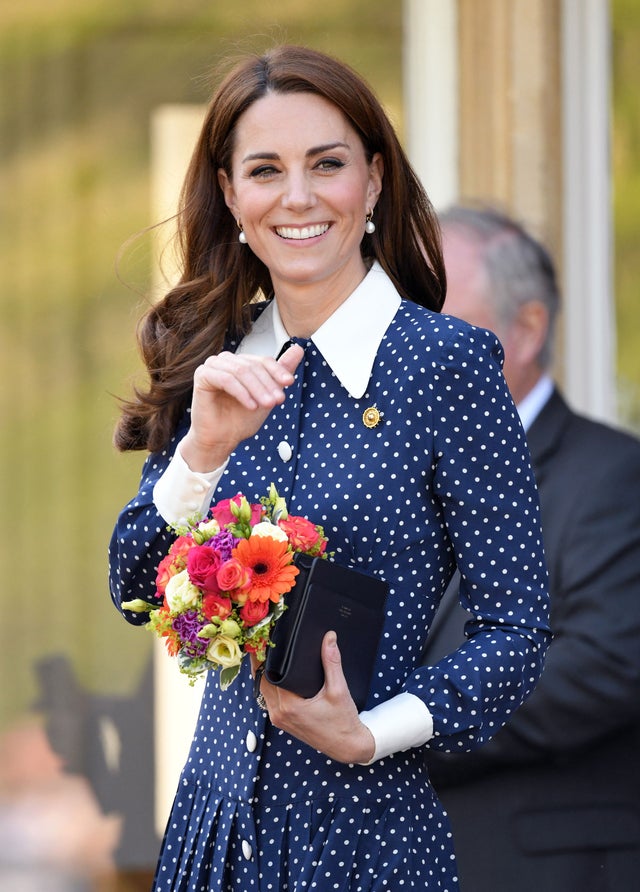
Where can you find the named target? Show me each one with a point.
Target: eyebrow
(316, 150)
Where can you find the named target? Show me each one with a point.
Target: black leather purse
(327, 597)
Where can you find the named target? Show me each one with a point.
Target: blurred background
(80, 84)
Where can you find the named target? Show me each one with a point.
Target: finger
(249, 380)
(332, 662)
(209, 378)
(290, 359)
(260, 374)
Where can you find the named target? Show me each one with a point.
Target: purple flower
(223, 542)
(187, 625)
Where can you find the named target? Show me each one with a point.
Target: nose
(298, 193)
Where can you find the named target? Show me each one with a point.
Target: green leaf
(227, 675)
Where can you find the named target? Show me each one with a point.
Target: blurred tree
(626, 183)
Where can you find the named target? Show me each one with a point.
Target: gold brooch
(371, 417)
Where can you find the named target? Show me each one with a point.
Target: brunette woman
(304, 346)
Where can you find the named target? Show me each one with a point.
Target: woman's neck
(304, 308)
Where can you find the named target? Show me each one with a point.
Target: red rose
(203, 564)
(232, 576)
(303, 535)
(216, 605)
(253, 612)
(223, 515)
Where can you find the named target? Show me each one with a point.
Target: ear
(376, 173)
(228, 191)
(530, 330)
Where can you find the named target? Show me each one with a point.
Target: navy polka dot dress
(443, 479)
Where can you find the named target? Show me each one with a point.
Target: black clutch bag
(327, 596)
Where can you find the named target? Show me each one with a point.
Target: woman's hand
(232, 396)
(327, 722)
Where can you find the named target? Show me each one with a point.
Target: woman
(298, 190)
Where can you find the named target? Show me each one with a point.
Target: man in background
(552, 803)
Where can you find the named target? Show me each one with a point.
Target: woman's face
(301, 186)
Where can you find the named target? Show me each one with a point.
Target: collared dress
(440, 478)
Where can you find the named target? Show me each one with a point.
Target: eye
(329, 164)
(263, 171)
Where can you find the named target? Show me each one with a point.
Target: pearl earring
(241, 236)
(369, 226)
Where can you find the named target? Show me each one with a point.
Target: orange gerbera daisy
(269, 560)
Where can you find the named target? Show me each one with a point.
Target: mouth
(301, 233)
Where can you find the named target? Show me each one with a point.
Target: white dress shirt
(530, 407)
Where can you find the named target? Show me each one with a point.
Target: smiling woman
(310, 354)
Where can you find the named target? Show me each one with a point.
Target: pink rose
(223, 515)
(216, 605)
(253, 612)
(303, 535)
(232, 576)
(203, 564)
(180, 549)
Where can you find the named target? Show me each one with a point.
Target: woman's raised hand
(232, 396)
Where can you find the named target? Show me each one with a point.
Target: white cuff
(182, 493)
(398, 724)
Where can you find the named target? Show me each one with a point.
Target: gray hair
(519, 268)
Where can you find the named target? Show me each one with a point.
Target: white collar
(350, 337)
(530, 407)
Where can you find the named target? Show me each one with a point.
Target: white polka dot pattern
(444, 478)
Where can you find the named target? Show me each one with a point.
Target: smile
(305, 232)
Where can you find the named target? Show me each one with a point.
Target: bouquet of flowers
(222, 583)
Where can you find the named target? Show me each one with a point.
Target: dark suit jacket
(552, 803)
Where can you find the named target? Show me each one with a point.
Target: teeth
(305, 232)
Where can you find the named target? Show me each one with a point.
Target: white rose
(181, 593)
(265, 528)
(224, 651)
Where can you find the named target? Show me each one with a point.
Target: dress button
(247, 851)
(251, 741)
(285, 451)
(199, 488)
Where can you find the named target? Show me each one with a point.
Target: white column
(174, 129)
(431, 95)
(589, 317)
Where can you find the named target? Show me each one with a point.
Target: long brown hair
(220, 278)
